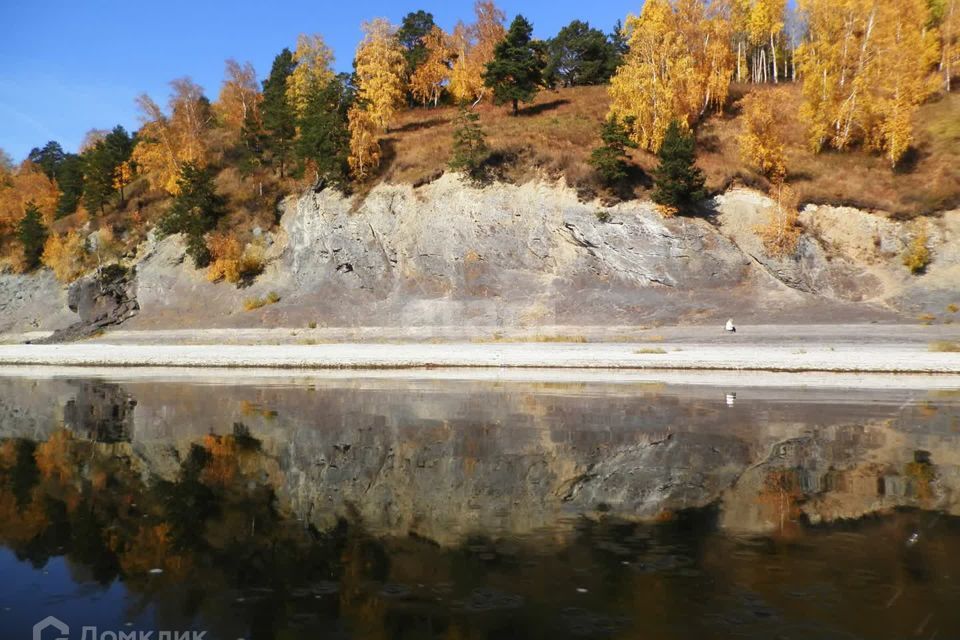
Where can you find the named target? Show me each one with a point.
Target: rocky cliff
(448, 254)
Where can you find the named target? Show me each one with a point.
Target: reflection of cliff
(451, 460)
(209, 548)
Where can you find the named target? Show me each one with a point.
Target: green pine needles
(678, 182)
(470, 150)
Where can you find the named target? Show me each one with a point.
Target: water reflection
(412, 510)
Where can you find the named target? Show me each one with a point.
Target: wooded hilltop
(839, 102)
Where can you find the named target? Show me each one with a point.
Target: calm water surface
(315, 507)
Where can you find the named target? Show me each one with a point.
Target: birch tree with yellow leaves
(239, 101)
(473, 48)
(165, 142)
(314, 60)
(677, 65)
(380, 69)
(867, 66)
(428, 81)
(365, 152)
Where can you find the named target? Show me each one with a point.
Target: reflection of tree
(236, 563)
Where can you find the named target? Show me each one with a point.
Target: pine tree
(279, 119)
(194, 211)
(324, 142)
(49, 158)
(469, 144)
(516, 72)
(610, 158)
(70, 182)
(100, 164)
(580, 55)
(32, 235)
(97, 177)
(678, 182)
(413, 29)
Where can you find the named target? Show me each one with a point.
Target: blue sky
(70, 66)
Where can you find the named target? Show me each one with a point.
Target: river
(381, 505)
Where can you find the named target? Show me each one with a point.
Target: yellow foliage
(66, 255)
(25, 185)
(781, 234)
(365, 150)
(165, 142)
(314, 70)
(473, 47)
(661, 78)
(55, 459)
(427, 81)
(252, 304)
(707, 28)
(380, 69)
(239, 97)
(917, 256)
(761, 139)
(230, 262)
(867, 66)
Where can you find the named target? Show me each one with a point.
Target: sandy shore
(876, 357)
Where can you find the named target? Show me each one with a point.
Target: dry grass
(551, 137)
(251, 304)
(945, 346)
(653, 351)
(499, 337)
(927, 181)
(554, 135)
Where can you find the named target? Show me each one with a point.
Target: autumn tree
(32, 234)
(168, 141)
(580, 55)
(239, 101)
(380, 70)
(365, 151)
(312, 72)
(279, 116)
(707, 29)
(866, 68)
(65, 255)
(516, 72)
(431, 75)
(653, 86)
(781, 233)
(761, 138)
(764, 24)
(473, 49)
(27, 184)
(948, 21)
(678, 182)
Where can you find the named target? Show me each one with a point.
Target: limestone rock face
(504, 255)
(451, 255)
(32, 302)
(101, 300)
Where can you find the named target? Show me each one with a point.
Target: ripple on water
(485, 599)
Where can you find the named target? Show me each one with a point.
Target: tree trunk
(739, 54)
(516, 107)
(773, 54)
